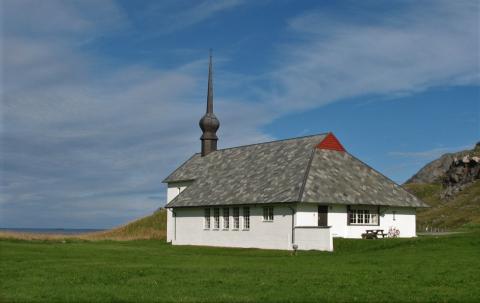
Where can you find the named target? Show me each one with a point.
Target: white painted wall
(173, 189)
(188, 229)
(185, 226)
(271, 235)
(337, 219)
(170, 226)
(405, 219)
(307, 215)
(317, 238)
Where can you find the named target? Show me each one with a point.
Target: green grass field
(434, 269)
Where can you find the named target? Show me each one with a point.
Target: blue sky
(101, 99)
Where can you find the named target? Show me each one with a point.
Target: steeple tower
(209, 123)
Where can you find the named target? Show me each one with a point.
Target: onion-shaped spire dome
(209, 122)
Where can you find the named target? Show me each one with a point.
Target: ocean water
(59, 231)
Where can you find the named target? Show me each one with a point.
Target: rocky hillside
(451, 186)
(463, 209)
(434, 171)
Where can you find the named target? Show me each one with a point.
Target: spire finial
(210, 86)
(209, 123)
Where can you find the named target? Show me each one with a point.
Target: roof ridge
(273, 141)
(305, 177)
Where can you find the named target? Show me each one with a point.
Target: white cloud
(57, 18)
(426, 44)
(178, 15)
(200, 12)
(428, 154)
(80, 144)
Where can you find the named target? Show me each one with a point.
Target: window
(246, 218)
(216, 218)
(226, 218)
(207, 219)
(236, 218)
(362, 217)
(268, 214)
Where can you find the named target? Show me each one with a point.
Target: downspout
(293, 224)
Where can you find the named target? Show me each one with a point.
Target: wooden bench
(381, 233)
(373, 234)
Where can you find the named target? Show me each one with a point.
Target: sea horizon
(67, 231)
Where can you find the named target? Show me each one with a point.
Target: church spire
(209, 123)
(210, 86)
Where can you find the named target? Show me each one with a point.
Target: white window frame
(363, 216)
(236, 218)
(268, 214)
(226, 218)
(246, 218)
(206, 218)
(216, 218)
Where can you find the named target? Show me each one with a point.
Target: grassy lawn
(434, 269)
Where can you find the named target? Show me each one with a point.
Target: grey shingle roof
(342, 178)
(290, 170)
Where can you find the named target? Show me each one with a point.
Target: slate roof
(284, 171)
(342, 178)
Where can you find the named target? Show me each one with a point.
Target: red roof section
(331, 142)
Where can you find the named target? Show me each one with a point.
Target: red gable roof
(331, 142)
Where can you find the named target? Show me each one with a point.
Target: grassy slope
(390, 270)
(150, 227)
(465, 208)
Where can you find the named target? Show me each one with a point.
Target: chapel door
(322, 215)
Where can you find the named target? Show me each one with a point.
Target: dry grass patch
(13, 235)
(150, 227)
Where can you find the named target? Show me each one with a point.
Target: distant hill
(451, 186)
(434, 171)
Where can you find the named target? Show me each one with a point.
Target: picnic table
(373, 234)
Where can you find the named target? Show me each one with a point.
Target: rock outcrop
(435, 171)
(454, 171)
(451, 186)
(461, 173)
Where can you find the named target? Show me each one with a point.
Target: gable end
(331, 143)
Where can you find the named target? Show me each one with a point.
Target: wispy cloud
(422, 45)
(179, 15)
(82, 145)
(428, 154)
(86, 147)
(57, 19)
